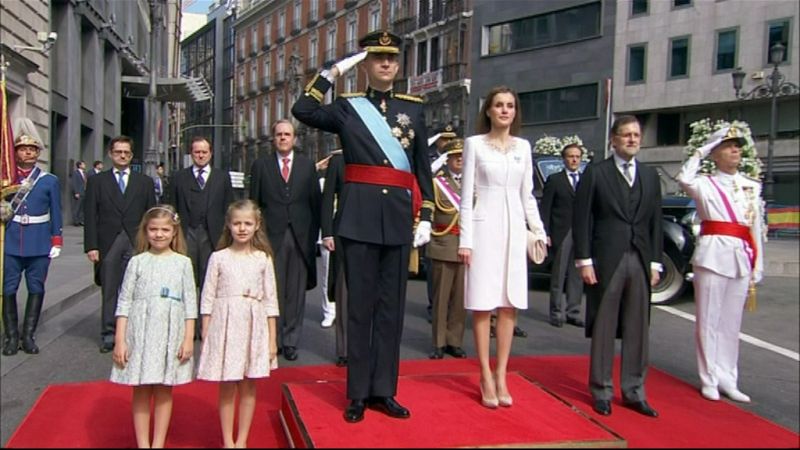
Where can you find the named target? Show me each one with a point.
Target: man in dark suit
(337, 286)
(618, 241)
(97, 167)
(387, 184)
(557, 203)
(201, 195)
(285, 186)
(78, 189)
(116, 200)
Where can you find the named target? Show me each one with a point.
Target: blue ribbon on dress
(165, 293)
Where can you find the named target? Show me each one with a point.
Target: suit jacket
(77, 183)
(603, 229)
(294, 205)
(219, 195)
(108, 211)
(558, 201)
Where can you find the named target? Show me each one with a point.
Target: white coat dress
(497, 208)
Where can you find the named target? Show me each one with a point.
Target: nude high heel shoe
(488, 402)
(504, 400)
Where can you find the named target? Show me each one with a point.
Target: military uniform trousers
(449, 314)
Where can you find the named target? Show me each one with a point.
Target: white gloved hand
(713, 141)
(348, 63)
(757, 276)
(54, 252)
(423, 233)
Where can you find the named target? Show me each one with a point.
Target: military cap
(447, 132)
(380, 41)
(24, 139)
(454, 147)
(727, 134)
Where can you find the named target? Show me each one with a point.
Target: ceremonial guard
(728, 256)
(387, 183)
(32, 238)
(447, 271)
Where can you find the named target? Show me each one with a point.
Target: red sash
(731, 229)
(385, 176)
(439, 227)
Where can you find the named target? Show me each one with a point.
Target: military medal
(383, 105)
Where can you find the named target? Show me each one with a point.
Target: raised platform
(445, 412)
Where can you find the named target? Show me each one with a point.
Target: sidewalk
(70, 279)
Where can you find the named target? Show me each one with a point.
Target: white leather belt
(25, 219)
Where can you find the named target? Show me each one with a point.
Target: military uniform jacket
(377, 214)
(725, 255)
(444, 246)
(35, 239)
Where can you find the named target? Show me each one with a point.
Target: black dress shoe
(492, 331)
(455, 352)
(558, 323)
(341, 361)
(437, 353)
(642, 408)
(354, 411)
(602, 407)
(519, 332)
(106, 347)
(290, 353)
(388, 406)
(575, 322)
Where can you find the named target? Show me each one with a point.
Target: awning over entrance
(168, 89)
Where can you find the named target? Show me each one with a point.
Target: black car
(678, 212)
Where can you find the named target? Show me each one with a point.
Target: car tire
(671, 285)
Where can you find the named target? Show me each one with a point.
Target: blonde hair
(178, 243)
(259, 240)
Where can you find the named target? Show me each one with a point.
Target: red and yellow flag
(8, 163)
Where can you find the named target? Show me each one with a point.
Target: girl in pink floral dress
(239, 309)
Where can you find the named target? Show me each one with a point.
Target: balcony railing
(350, 47)
(265, 82)
(350, 3)
(264, 130)
(313, 17)
(253, 87)
(454, 72)
(280, 77)
(330, 56)
(330, 8)
(296, 27)
(240, 91)
(311, 65)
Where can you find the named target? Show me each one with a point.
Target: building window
(279, 73)
(265, 116)
(637, 63)
(352, 38)
(267, 32)
(726, 50)
(679, 57)
(435, 52)
(241, 47)
(254, 39)
(313, 9)
(639, 7)
(562, 104)
(252, 123)
(778, 32)
(298, 13)
(350, 82)
(267, 69)
(375, 17)
(279, 106)
(330, 46)
(553, 28)
(681, 3)
(281, 24)
(422, 57)
(312, 53)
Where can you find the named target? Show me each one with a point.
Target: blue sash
(380, 130)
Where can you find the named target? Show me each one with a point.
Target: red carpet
(98, 414)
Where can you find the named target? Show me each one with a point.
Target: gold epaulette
(410, 98)
(428, 204)
(313, 91)
(352, 94)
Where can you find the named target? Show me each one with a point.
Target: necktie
(158, 186)
(574, 177)
(121, 181)
(200, 180)
(626, 170)
(285, 169)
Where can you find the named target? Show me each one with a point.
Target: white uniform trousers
(720, 304)
(328, 307)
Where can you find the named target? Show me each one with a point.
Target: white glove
(348, 63)
(713, 141)
(423, 234)
(54, 252)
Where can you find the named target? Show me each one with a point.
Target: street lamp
(773, 87)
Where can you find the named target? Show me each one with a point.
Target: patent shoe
(388, 406)
(602, 407)
(558, 323)
(642, 408)
(437, 353)
(519, 332)
(341, 361)
(11, 346)
(106, 347)
(354, 411)
(575, 322)
(455, 352)
(290, 353)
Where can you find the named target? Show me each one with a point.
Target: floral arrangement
(551, 145)
(702, 129)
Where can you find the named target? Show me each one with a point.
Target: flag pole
(608, 117)
(3, 184)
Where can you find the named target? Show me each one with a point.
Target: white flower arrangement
(551, 145)
(750, 164)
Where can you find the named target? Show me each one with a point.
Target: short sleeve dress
(157, 296)
(240, 294)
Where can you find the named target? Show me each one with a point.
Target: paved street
(768, 363)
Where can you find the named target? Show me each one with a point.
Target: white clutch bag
(537, 248)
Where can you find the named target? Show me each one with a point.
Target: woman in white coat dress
(496, 205)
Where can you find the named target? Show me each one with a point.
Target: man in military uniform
(727, 258)
(387, 177)
(448, 272)
(32, 238)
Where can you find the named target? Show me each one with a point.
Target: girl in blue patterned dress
(156, 311)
